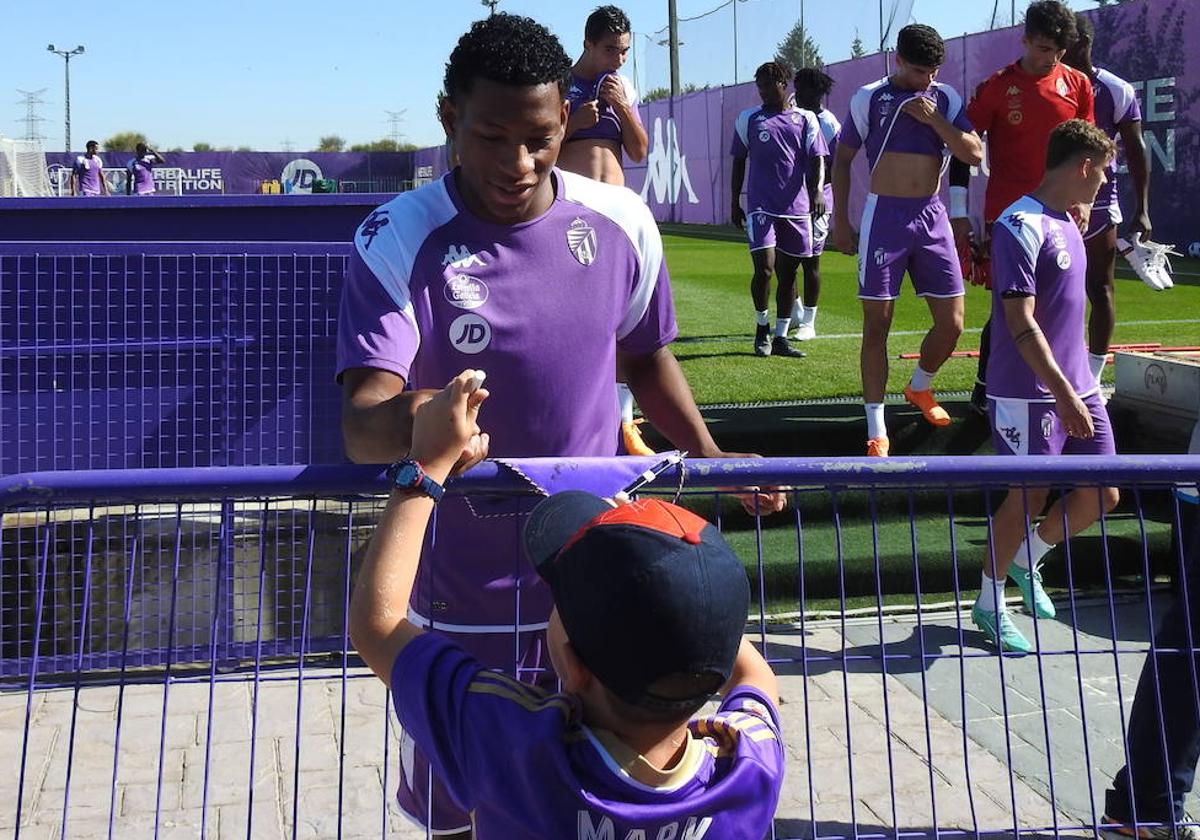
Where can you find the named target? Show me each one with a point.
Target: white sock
(763, 317)
(781, 326)
(991, 593)
(1033, 548)
(921, 379)
(808, 315)
(625, 398)
(1096, 362)
(797, 312)
(876, 427)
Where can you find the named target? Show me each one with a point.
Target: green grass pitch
(711, 281)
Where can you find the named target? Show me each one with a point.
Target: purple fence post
(912, 537)
(127, 614)
(79, 659)
(962, 662)
(37, 639)
(262, 588)
(873, 507)
(835, 499)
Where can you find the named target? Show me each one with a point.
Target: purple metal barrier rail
(167, 636)
(118, 356)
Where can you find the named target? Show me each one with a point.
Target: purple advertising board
(686, 175)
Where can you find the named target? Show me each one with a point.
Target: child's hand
(446, 436)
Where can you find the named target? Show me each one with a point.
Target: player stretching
(603, 123)
(906, 122)
(541, 277)
(786, 152)
(1042, 397)
(812, 87)
(1117, 114)
(1017, 108)
(648, 622)
(140, 169)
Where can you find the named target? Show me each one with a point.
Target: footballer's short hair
(775, 72)
(813, 79)
(606, 20)
(1078, 137)
(921, 45)
(507, 49)
(1084, 28)
(1051, 20)
(91, 143)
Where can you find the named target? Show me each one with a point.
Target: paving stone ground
(943, 741)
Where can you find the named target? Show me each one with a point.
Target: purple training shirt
(1116, 105)
(779, 146)
(141, 170)
(1039, 252)
(608, 127)
(542, 307)
(89, 172)
(876, 121)
(528, 767)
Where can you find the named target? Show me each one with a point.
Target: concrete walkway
(869, 754)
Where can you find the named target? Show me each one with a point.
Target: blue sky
(264, 73)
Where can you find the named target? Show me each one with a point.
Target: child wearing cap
(650, 609)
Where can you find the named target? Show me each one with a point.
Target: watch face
(407, 474)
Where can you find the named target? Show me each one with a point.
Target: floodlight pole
(67, 55)
(673, 38)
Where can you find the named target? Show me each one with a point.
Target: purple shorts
(907, 235)
(420, 794)
(1102, 219)
(793, 235)
(1020, 427)
(820, 232)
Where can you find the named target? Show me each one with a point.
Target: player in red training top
(1017, 108)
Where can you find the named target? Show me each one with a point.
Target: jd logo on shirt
(470, 334)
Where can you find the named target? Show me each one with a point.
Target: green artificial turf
(711, 279)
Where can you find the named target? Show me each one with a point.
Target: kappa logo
(461, 257)
(581, 239)
(1015, 221)
(666, 167)
(470, 334)
(1013, 90)
(372, 225)
(880, 256)
(887, 97)
(1013, 435)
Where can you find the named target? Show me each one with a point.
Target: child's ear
(577, 677)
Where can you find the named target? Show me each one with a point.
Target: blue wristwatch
(407, 474)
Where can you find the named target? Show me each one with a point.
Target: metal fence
(168, 355)
(175, 661)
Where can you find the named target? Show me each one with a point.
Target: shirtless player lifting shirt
(906, 122)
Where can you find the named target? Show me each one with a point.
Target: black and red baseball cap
(652, 598)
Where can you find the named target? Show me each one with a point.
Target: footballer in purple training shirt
(1042, 398)
(141, 171)
(540, 277)
(908, 123)
(87, 175)
(785, 151)
(1117, 114)
(812, 88)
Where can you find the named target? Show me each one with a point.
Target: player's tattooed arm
(445, 433)
(1026, 335)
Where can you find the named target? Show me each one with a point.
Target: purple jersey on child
(1115, 105)
(542, 307)
(141, 170)
(608, 127)
(89, 172)
(522, 760)
(876, 121)
(779, 146)
(1039, 252)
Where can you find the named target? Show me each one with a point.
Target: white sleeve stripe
(954, 102)
(1122, 95)
(630, 91)
(1028, 233)
(392, 249)
(860, 106)
(742, 126)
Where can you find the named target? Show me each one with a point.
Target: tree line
(127, 141)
